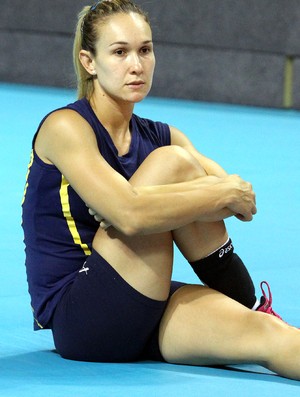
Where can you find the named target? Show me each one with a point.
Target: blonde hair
(87, 34)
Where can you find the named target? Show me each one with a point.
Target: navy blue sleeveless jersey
(58, 230)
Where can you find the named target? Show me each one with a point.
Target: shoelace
(267, 305)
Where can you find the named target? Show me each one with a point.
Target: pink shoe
(266, 302)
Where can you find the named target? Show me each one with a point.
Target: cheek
(109, 76)
(109, 71)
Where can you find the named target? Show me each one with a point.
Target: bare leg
(200, 326)
(203, 327)
(145, 262)
(197, 240)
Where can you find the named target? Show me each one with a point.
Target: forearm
(180, 187)
(155, 209)
(164, 208)
(160, 208)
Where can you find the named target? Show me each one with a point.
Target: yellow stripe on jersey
(64, 198)
(26, 184)
(39, 325)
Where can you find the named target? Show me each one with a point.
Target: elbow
(134, 217)
(130, 231)
(130, 227)
(132, 222)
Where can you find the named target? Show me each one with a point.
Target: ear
(87, 61)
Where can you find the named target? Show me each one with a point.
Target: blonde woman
(108, 194)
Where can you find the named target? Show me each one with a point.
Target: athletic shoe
(266, 302)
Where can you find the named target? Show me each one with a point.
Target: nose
(135, 64)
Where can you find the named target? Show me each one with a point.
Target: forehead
(125, 28)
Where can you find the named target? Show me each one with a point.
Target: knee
(176, 163)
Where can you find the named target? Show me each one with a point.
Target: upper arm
(67, 141)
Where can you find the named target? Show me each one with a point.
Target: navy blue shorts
(102, 318)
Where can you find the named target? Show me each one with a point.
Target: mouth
(136, 84)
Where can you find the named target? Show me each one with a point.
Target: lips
(136, 83)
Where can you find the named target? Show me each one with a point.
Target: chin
(136, 98)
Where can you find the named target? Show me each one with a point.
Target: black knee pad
(225, 272)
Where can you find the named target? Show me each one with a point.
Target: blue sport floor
(262, 145)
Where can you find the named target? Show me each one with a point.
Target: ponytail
(84, 79)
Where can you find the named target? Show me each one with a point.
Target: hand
(103, 223)
(243, 203)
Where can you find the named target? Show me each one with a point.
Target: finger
(104, 225)
(244, 218)
(98, 218)
(92, 212)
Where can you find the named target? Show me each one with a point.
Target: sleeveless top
(58, 229)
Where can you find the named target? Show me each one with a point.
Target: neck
(114, 116)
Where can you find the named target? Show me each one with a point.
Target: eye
(145, 50)
(120, 52)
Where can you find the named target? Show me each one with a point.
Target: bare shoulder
(64, 121)
(63, 128)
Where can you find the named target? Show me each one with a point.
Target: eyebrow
(126, 43)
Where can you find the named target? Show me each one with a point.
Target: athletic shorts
(101, 318)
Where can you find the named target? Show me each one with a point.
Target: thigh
(102, 318)
(201, 326)
(145, 262)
